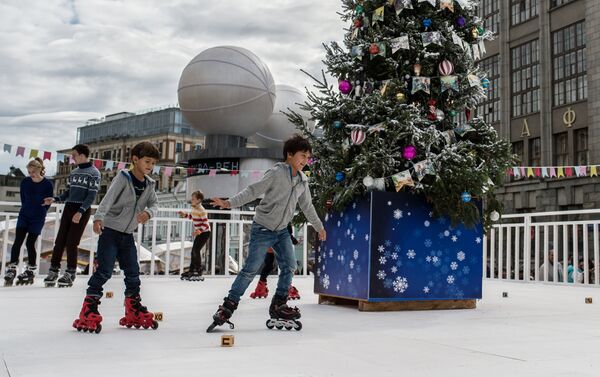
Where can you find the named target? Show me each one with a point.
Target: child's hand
(98, 226)
(48, 201)
(143, 217)
(322, 235)
(197, 232)
(182, 214)
(76, 218)
(218, 202)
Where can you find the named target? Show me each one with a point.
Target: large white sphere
(278, 127)
(226, 90)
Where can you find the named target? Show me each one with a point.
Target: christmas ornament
(374, 49)
(452, 113)
(400, 97)
(417, 69)
(400, 5)
(345, 86)
(485, 83)
(378, 14)
(440, 115)
(368, 87)
(449, 82)
(480, 30)
(357, 136)
(400, 42)
(409, 152)
(426, 23)
(446, 68)
(337, 124)
(359, 9)
(465, 197)
(431, 115)
(357, 89)
(379, 184)
(357, 23)
(402, 179)
(468, 114)
(340, 176)
(368, 181)
(475, 33)
(430, 37)
(447, 4)
(460, 21)
(421, 83)
(494, 216)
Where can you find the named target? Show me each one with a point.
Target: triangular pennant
(516, 173)
(552, 172)
(583, 171)
(538, 172)
(530, 172)
(110, 165)
(545, 173)
(593, 171)
(523, 173)
(561, 172)
(569, 171)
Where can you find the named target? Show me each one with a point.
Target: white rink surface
(539, 330)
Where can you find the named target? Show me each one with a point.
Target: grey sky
(63, 62)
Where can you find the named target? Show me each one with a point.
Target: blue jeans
(261, 239)
(112, 246)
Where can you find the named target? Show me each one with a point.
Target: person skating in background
(82, 188)
(261, 290)
(201, 236)
(284, 187)
(130, 200)
(32, 217)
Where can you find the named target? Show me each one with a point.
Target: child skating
(32, 216)
(130, 200)
(284, 186)
(201, 236)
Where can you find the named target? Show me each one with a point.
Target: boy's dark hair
(198, 194)
(296, 144)
(82, 149)
(145, 149)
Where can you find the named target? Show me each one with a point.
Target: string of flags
(109, 165)
(523, 172)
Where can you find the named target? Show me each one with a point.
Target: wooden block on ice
(588, 300)
(109, 294)
(227, 340)
(504, 294)
(158, 316)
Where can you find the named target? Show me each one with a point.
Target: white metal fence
(551, 247)
(224, 253)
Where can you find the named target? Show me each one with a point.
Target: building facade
(113, 137)
(543, 96)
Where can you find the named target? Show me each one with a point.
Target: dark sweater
(82, 187)
(32, 198)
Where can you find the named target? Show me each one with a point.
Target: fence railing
(551, 247)
(169, 254)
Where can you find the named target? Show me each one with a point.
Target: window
(489, 11)
(178, 147)
(525, 78)
(517, 148)
(523, 10)
(106, 155)
(557, 3)
(569, 71)
(581, 146)
(535, 152)
(561, 149)
(489, 108)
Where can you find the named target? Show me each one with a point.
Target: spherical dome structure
(278, 127)
(226, 90)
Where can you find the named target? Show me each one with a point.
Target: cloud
(65, 61)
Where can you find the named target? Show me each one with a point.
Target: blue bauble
(466, 197)
(337, 124)
(340, 176)
(427, 22)
(485, 83)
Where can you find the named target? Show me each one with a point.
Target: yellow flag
(561, 172)
(530, 172)
(33, 153)
(593, 171)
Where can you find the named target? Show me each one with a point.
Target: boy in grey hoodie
(130, 200)
(284, 186)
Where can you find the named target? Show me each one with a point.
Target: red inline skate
(261, 290)
(137, 315)
(89, 317)
(293, 293)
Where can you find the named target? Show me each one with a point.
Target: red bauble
(374, 49)
(357, 23)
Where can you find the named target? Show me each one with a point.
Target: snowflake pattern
(382, 260)
(397, 214)
(454, 238)
(355, 254)
(381, 248)
(435, 259)
(366, 237)
(411, 254)
(351, 264)
(426, 290)
(389, 203)
(394, 256)
(349, 278)
(388, 243)
(400, 284)
(453, 266)
(446, 233)
(381, 275)
(478, 239)
(357, 217)
(339, 223)
(325, 281)
(352, 236)
(450, 279)
(428, 258)
(427, 223)
(394, 269)
(428, 243)
(460, 255)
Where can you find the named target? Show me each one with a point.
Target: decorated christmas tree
(401, 116)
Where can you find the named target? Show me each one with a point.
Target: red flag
(538, 172)
(98, 164)
(47, 156)
(569, 171)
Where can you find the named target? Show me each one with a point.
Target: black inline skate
(223, 314)
(9, 275)
(50, 280)
(282, 315)
(27, 276)
(67, 279)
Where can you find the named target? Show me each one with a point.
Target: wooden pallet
(391, 306)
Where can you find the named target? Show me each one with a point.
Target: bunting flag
(168, 171)
(110, 165)
(212, 173)
(121, 166)
(98, 164)
(7, 148)
(60, 157)
(33, 153)
(156, 170)
(20, 151)
(47, 156)
(519, 172)
(593, 171)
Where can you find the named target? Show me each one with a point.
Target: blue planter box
(388, 247)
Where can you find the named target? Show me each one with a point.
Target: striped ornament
(446, 68)
(357, 136)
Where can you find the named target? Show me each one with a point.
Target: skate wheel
(128, 325)
(98, 329)
(279, 327)
(85, 329)
(154, 325)
(137, 326)
(145, 326)
(289, 327)
(298, 325)
(269, 324)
